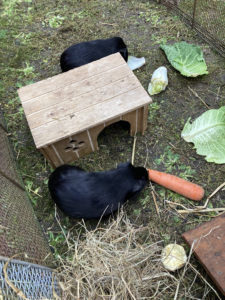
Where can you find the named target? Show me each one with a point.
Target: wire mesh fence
(207, 17)
(30, 281)
(20, 235)
(19, 229)
(7, 168)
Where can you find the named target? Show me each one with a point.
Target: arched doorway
(115, 137)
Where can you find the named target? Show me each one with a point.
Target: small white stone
(173, 257)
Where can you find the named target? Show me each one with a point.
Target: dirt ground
(33, 34)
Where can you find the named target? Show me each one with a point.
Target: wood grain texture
(75, 90)
(82, 98)
(65, 79)
(208, 242)
(74, 106)
(89, 117)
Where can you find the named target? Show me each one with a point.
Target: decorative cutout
(67, 149)
(74, 146)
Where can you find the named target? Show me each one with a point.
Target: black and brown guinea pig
(86, 52)
(87, 195)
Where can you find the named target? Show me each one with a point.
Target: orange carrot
(183, 187)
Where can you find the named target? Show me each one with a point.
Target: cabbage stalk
(159, 81)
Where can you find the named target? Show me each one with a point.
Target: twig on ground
(172, 204)
(146, 159)
(196, 95)
(155, 202)
(218, 93)
(153, 189)
(200, 209)
(133, 151)
(184, 271)
(18, 154)
(187, 211)
(199, 274)
(213, 193)
(108, 24)
(172, 145)
(3, 227)
(127, 287)
(35, 193)
(63, 231)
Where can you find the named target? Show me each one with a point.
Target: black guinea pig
(88, 195)
(83, 53)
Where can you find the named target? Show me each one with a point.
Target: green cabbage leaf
(207, 133)
(186, 58)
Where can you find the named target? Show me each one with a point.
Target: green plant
(158, 40)
(20, 112)
(56, 240)
(169, 159)
(33, 193)
(80, 15)
(155, 20)
(23, 37)
(154, 107)
(176, 219)
(27, 70)
(145, 201)
(56, 21)
(137, 212)
(3, 33)
(9, 7)
(166, 238)
(172, 164)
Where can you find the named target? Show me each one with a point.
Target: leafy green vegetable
(207, 133)
(186, 58)
(159, 81)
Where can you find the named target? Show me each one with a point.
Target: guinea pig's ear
(124, 165)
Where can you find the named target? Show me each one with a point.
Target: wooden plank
(209, 247)
(50, 156)
(144, 119)
(72, 76)
(80, 99)
(131, 117)
(70, 148)
(72, 107)
(90, 117)
(74, 90)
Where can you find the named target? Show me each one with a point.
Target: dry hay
(120, 261)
